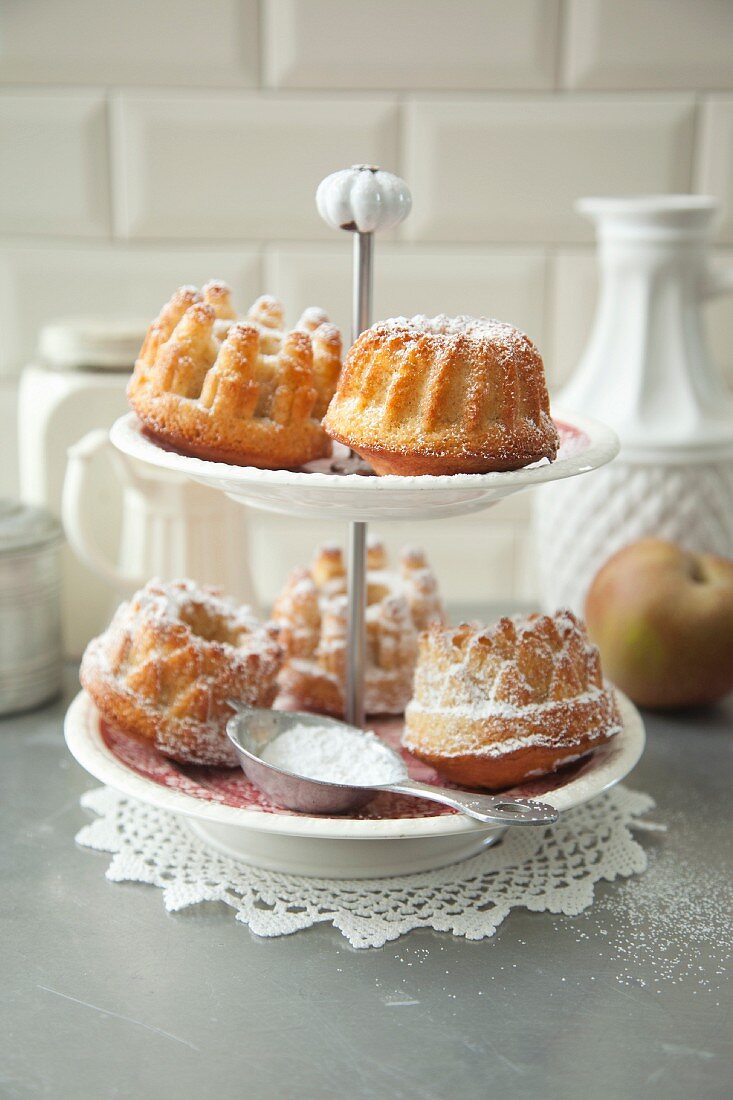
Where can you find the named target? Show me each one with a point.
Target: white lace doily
(552, 870)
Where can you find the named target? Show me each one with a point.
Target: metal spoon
(251, 729)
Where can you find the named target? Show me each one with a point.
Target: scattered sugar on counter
(334, 755)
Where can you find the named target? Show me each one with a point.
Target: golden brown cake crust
(443, 395)
(243, 392)
(311, 613)
(495, 707)
(383, 461)
(170, 660)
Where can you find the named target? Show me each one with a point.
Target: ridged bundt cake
(311, 612)
(169, 661)
(493, 707)
(443, 395)
(244, 392)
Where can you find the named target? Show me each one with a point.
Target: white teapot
(171, 526)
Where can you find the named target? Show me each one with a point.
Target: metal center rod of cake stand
(357, 559)
(360, 200)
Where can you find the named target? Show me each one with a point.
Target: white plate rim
(83, 738)
(126, 434)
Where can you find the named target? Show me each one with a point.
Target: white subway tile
(620, 44)
(572, 306)
(573, 291)
(508, 284)
(319, 275)
(490, 169)
(382, 44)
(42, 284)
(165, 42)
(715, 158)
(9, 486)
(53, 167)
(238, 166)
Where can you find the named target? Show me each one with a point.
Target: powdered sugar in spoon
(251, 730)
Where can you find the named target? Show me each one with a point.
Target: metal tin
(31, 661)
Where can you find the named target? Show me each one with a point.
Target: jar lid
(90, 343)
(26, 527)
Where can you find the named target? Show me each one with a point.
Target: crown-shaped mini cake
(247, 391)
(494, 706)
(170, 661)
(311, 612)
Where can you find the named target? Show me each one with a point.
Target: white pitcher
(646, 371)
(171, 526)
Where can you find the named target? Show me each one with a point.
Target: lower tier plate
(393, 835)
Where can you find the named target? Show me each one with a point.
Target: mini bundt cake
(494, 707)
(169, 661)
(244, 392)
(443, 395)
(311, 613)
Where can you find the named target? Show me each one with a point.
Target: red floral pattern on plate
(230, 786)
(572, 439)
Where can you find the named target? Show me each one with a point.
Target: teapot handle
(717, 281)
(75, 509)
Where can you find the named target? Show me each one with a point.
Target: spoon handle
(494, 809)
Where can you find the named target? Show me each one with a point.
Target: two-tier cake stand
(363, 200)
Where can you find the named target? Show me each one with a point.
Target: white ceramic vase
(647, 373)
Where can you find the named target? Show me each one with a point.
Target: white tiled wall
(653, 44)
(221, 165)
(54, 170)
(145, 145)
(410, 44)
(529, 157)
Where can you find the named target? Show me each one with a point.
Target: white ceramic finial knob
(363, 199)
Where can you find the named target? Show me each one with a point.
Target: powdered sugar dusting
(483, 330)
(334, 755)
(173, 656)
(507, 745)
(671, 927)
(499, 690)
(176, 601)
(205, 616)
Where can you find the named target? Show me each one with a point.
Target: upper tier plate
(585, 444)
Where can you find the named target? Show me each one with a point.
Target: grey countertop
(105, 995)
